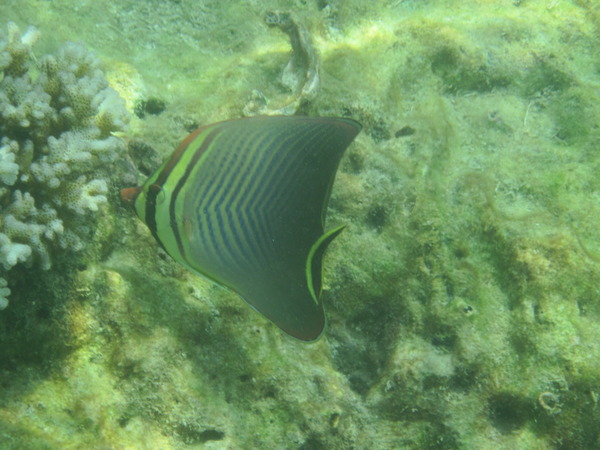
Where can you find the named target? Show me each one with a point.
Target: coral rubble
(301, 74)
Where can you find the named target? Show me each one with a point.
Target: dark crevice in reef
(361, 353)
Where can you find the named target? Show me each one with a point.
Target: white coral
(87, 196)
(12, 253)
(9, 169)
(4, 293)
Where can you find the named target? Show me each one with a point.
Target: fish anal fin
(314, 262)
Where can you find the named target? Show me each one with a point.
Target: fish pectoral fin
(314, 262)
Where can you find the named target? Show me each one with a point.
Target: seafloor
(463, 298)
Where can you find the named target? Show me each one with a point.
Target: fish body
(243, 203)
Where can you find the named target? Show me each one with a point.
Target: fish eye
(159, 193)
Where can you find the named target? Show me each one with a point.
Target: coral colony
(57, 120)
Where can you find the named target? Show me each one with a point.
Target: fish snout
(128, 195)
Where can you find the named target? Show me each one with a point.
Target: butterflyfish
(243, 203)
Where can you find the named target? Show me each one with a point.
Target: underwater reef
(462, 297)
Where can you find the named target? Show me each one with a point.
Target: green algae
(463, 301)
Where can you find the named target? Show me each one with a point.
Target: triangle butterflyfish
(243, 202)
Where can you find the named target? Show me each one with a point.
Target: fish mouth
(128, 195)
